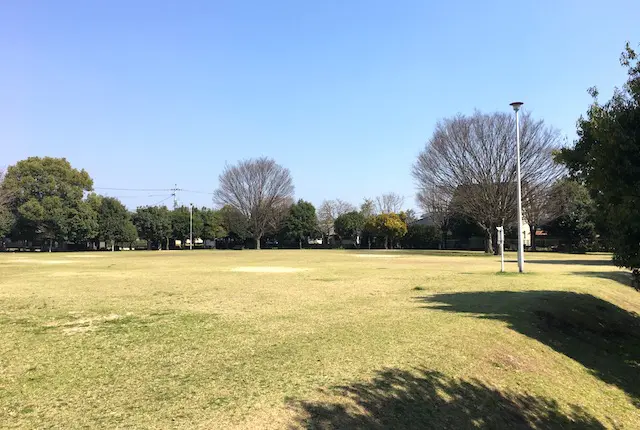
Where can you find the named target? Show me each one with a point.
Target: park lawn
(356, 339)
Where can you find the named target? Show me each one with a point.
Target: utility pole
(190, 226)
(174, 193)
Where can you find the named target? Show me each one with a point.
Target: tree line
(46, 202)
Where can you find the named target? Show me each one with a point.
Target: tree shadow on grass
(422, 399)
(623, 278)
(601, 336)
(570, 261)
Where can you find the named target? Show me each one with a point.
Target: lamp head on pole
(516, 105)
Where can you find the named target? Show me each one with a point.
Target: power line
(152, 190)
(197, 192)
(134, 189)
(163, 200)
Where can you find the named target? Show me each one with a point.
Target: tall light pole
(190, 226)
(516, 108)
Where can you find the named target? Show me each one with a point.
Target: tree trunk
(258, 242)
(113, 245)
(386, 242)
(488, 246)
(532, 230)
(369, 240)
(300, 242)
(167, 243)
(50, 244)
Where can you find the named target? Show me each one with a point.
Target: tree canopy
(153, 224)
(606, 158)
(114, 222)
(46, 200)
(301, 223)
(350, 225)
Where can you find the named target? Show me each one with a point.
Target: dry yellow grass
(405, 340)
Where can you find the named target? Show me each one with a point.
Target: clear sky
(148, 94)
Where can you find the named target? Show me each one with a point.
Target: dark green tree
(573, 221)
(129, 233)
(181, 224)
(349, 225)
(153, 224)
(81, 223)
(113, 220)
(7, 219)
(301, 222)
(44, 194)
(212, 227)
(421, 237)
(606, 158)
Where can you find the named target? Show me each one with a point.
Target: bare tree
(472, 160)
(368, 208)
(330, 210)
(537, 208)
(260, 189)
(389, 203)
(435, 202)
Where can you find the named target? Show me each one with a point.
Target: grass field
(239, 339)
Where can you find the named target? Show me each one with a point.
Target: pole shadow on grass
(568, 261)
(423, 399)
(601, 336)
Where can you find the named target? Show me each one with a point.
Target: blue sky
(147, 94)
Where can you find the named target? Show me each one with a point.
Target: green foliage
(153, 223)
(212, 227)
(180, 223)
(349, 225)
(463, 228)
(574, 223)
(390, 226)
(37, 178)
(81, 223)
(235, 223)
(421, 237)
(7, 221)
(46, 200)
(113, 221)
(606, 157)
(129, 233)
(301, 222)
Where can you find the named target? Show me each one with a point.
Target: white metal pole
(501, 240)
(520, 239)
(190, 226)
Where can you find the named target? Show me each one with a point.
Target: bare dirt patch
(267, 269)
(34, 261)
(82, 325)
(375, 256)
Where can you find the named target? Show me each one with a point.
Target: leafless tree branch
(260, 189)
(389, 203)
(470, 162)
